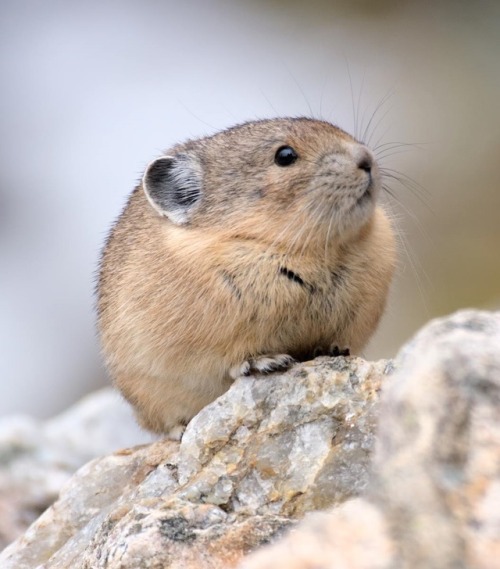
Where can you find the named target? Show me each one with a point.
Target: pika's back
(262, 239)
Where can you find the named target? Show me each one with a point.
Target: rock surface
(434, 500)
(37, 458)
(248, 466)
(275, 449)
(352, 536)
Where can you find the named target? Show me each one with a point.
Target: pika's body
(241, 251)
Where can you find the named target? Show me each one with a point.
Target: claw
(262, 364)
(335, 351)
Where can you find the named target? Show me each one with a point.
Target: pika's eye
(285, 155)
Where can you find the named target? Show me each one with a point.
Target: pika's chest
(292, 292)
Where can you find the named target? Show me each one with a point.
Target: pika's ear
(172, 185)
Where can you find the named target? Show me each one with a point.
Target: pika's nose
(364, 160)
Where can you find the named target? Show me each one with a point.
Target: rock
(273, 450)
(434, 500)
(352, 536)
(438, 459)
(37, 458)
(249, 465)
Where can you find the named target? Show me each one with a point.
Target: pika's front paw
(333, 351)
(175, 433)
(336, 351)
(262, 364)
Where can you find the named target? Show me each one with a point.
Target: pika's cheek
(286, 189)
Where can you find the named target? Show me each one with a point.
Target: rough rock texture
(274, 449)
(249, 465)
(435, 497)
(352, 536)
(38, 458)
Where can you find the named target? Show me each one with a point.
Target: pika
(239, 252)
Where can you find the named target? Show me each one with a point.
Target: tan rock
(352, 536)
(274, 449)
(438, 455)
(38, 457)
(249, 465)
(435, 498)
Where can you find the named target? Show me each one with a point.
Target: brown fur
(181, 304)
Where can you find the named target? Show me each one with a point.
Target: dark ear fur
(173, 186)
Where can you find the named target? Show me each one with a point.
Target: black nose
(365, 162)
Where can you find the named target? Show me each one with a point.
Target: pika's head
(267, 177)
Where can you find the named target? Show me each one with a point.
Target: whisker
(388, 153)
(186, 108)
(281, 233)
(300, 89)
(415, 266)
(354, 115)
(314, 215)
(381, 137)
(376, 125)
(405, 209)
(405, 177)
(359, 100)
(385, 151)
(379, 106)
(269, 103)
(414, 189)
(313, 230)
(321, 98)
(327, 239)
(398, 143)
(296, 239)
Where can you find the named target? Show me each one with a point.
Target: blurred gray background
(91, 91)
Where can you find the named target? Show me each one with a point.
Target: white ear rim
(144, 184)
(177, 215)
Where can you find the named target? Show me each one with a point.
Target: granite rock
(434, 500)
(249, 465)
(355, 535)
(38, 457)
(408, 481)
